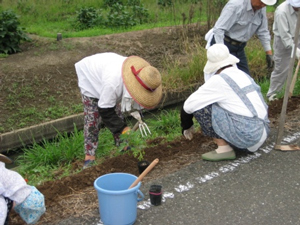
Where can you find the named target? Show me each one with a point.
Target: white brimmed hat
(5, 159)
(218, 56)
(142, 81)
(294, 3)
(269, 2)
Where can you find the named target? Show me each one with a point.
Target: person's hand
(119, 139)
(188, 134)
(121, 142)
(298, 53)
(270, 61)
(117, 136)
(126, 130)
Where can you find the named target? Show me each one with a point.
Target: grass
(3, 55)
(46, 161)
(47, 18)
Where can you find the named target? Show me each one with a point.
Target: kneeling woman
(229, 107)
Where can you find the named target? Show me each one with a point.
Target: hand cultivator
(144, 129)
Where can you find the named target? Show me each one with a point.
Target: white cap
(218, 56)
(269, 2)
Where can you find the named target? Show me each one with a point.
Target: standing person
(284, 26)
(229, 108)
(107, 80)
(15, 194)
(238, 22)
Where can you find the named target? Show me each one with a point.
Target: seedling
(136, 143)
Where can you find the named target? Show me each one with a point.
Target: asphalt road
(256, 189)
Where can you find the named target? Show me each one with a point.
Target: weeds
(3, 55)
(137, 144)
(41, 161)
(183, 72)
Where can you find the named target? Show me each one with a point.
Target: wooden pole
(147, 170)
(294, 79)
(288, 84)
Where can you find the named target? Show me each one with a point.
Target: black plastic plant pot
(155, 194)
(142, 165)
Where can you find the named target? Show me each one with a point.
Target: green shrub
(86, 18)
(11, 34)
(110, 3)
(120, 17)
(140, 13)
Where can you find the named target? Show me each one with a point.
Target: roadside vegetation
(53, 159)
(41, 161)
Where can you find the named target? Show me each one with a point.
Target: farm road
(260, 189)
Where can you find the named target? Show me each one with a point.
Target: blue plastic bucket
(117, 203)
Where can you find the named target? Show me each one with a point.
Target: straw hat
(269, 2)
(142, 81)
(294, 3)
(5, 159)
(218, 56)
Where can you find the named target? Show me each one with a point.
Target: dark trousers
(9, 203)
(239, 52)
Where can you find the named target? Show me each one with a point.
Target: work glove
(188, 134)
(126, 130)
(270, 61)
(298, 53)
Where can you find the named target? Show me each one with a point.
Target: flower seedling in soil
(137, 144)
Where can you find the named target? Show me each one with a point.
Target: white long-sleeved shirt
(284, 26)
(100, 76)
(217, 90)
(12, 186)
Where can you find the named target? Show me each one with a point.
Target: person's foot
(214, 156)
(88, 163)
(273, 97)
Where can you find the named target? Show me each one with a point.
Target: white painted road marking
(223, 169)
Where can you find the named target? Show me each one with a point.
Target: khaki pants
(282, 57)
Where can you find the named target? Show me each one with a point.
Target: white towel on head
(294, 3)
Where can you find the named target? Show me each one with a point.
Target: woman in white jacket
(16, 194)
(107, 80)
(228, 106)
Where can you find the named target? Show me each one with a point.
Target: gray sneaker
(214, 156)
